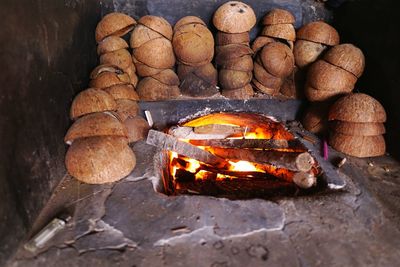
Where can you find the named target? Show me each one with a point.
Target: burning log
(243, 143)
(295, 161)
(304, 179)
(211, 131)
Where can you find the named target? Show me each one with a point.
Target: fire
(243, 166)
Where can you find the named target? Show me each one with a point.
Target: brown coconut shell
(131, 71)
(157, 24)
(347, 57)
(244, 63)
(266, 79)
(264, 89)
(234, 17)
(358, 146)
(141, 35)
(90, 101)
(143, 70)
(193, 44)
(126, 108)
(95, 124)
(245, 92)
(358, 128)
(315, 119)
(111, 44)
(231, 51)
(99, 160)
(116, 24)
(123, 91)
(157, 53)
(195, 86)
(278, 16)
(105, 68)
(120, 58)
(137, 129)
(232, 79)
(260, 42)
(223, 38)
(306, 52)
(315, 95)
(107, 79)
(281, 31)
(357, 107)
(167, 77)
(325, 76)
(292, 86)
(150, 89)
(206, 72)
(319, 32)
(277, 59)
(188, 20)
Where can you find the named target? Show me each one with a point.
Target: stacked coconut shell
(233, 21)
(154, 59)
(274, 60)
(193, 44)
(356, 125)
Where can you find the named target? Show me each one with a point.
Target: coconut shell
(141, 35)
(358, 128)
(123, 91)
(357, 107)
(195, 86)
(306, 52)
(277, 59)
(193, 44)
(358, 146)
(188, 20)
(143, 70)
(232, 51)
(260, 42)
(325, 76)
(105, 68)
(232, 79)
(319, 32)
(234, 17)
(90, 101)
(131, 71)
(167, 77)
(120, 58)
(95, 124)
(157, 53)
(244, 63)
(116, 24)
(281, 31)
(223, 38)
(264, 89)
(137, 128)
(315, 95)
(107, 79)
(206, 72)
(315, 119)
(245, 92)
(292, 86)
(347, 57)
(99, 160)
(278, 16)
(111, 44)
(149, 89)
(126, 108)
(157, 24)
(266, 79)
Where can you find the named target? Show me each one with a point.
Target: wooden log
(242, 143)
(218, 129)
(188, 133)
(295, 161)
(304, 179)
(168, 142)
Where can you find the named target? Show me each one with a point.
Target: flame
(243, 166)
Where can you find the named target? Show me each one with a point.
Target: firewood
(188, 133)
(304, 179)
(218, 129)
(243, 143)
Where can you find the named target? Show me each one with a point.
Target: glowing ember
(243, 166)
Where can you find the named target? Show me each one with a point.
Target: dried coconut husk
(116, 24)
(358, 128)
(260, 42)
(245, 92)
(193, 44)
(188, 20)
(107, 79)
(131, 71)
(277, 59)
(122, 91)
(315, 119)
(149, 89)
(99, 160)
(143, 70)
(195, 86)
(357, 107)
(111, 44)
(347, 57)
(120, 58)
(244, 63)
(306, 52)
(157, 53)
(292, 85)
(358, 146)
(223, 38)
(264, 89)
(126, 108)
(105, 68)
(232, 51)
(137, 128)
(167, 77)
(234, 17)
(319, 32)
(266, 79)
(141, 35)
(281, 31)
(278, 16)
(90, 101)
(157, 24)
(95, 124)
(325, 76)
(315, 95)
(206, 72)
(232, 79)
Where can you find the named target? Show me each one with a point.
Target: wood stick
(188, 133)
(242, 143)
(218, 129)
(304, 179)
